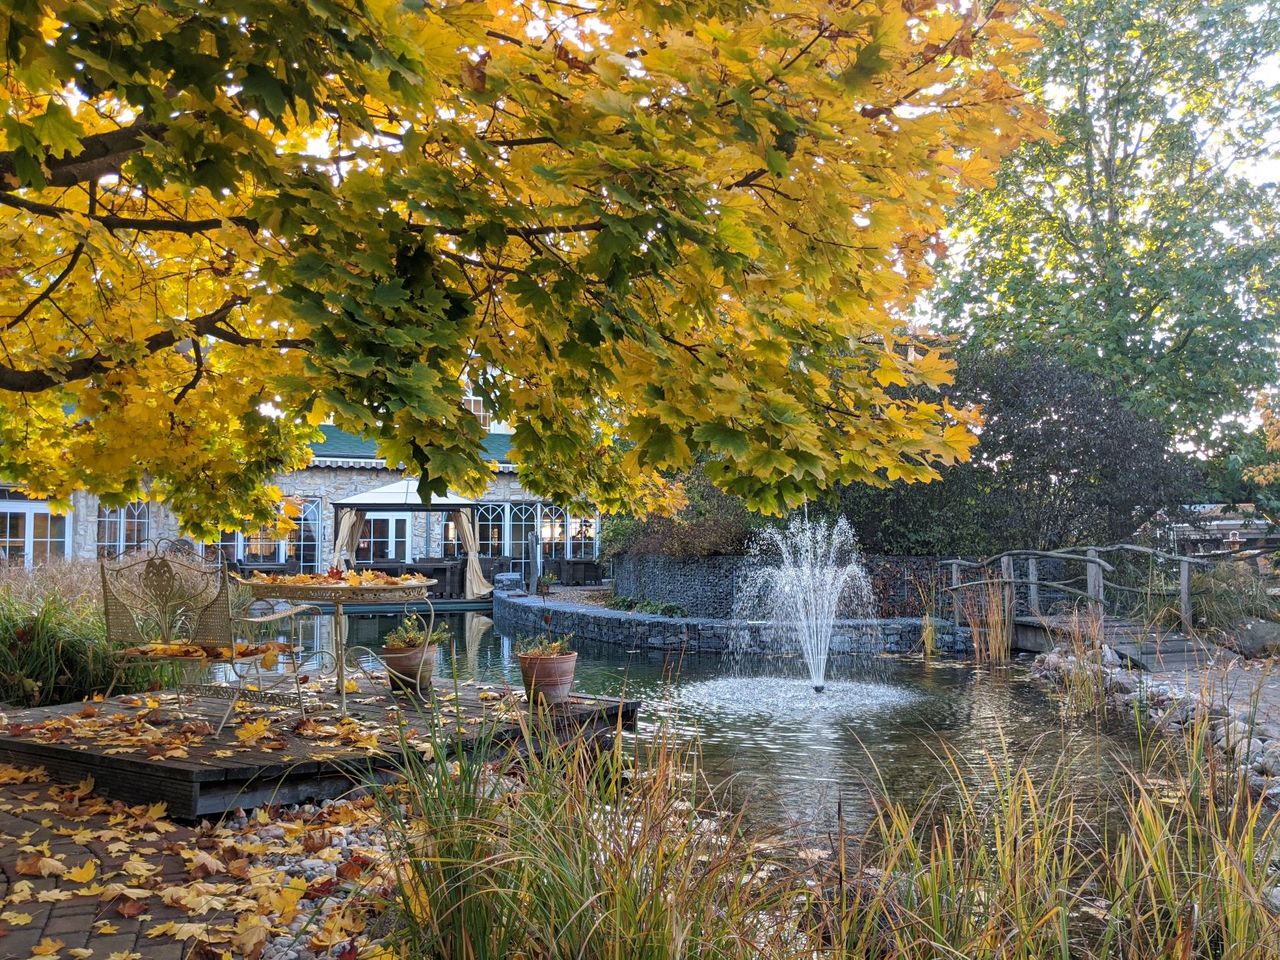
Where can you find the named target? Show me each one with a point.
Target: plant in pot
(546, 666)
(410, 653)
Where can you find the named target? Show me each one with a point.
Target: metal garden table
(339, 593)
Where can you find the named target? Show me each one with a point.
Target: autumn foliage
(642, 232)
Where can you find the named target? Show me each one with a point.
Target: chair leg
(231, 706)
(296, 664)
(116, 674)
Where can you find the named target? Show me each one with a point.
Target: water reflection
(790, 754)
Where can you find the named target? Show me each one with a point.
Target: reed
(571, 853)
(927, 596)
(567, 853)
(984, 607)
(1082, 685)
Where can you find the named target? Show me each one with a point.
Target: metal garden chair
(165, 603)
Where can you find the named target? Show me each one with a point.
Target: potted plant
(546, 666)
(545, 583)
(410, 653)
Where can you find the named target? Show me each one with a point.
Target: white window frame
(522, 516)
(391, 519)
(311, 512)
(30, 509)
(118, 520)
(494, 514)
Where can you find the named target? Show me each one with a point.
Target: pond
(790, 754)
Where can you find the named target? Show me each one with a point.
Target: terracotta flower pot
(548, 679)
(410, 667)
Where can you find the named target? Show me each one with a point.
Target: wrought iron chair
(165, 603)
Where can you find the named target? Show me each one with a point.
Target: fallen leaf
(251, 731)
(83, 873)
(130, 908)
(36, 865)
(47, 947)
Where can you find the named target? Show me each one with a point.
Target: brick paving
(79, 915)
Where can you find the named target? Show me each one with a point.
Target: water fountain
(806, 576)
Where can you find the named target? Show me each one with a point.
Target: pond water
(790, 754)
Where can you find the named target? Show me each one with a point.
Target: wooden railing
(1099, 581)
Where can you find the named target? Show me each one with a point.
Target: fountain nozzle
(819, 687)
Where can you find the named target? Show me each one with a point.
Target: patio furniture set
(165, 603)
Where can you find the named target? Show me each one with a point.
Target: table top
(341, 592)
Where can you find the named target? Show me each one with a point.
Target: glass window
(303, 545)
(48, 537)
(300, 546)
(583, 536)
(29, 533)
(121, 529)
(450, 542)
(489, 518)
(552, 533)
(13, 537)
(384, 537)
(524, 518)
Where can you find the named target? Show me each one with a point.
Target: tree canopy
(641, 231)
(1062, 461)
(1142, 239)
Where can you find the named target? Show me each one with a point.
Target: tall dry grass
(53, 642)
(984, 608)
(573, 855)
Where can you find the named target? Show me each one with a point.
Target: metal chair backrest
(165, 593)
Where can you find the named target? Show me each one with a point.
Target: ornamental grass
(564, 853)
(53, 644)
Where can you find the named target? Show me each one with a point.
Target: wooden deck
(140, 749)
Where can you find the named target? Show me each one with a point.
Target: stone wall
(703, 586)
(326, 484)
(518, 615)
(709, 586)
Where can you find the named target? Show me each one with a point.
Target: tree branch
(113, 222)
(100, 154)
(82, 368)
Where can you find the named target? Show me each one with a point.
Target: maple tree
(1141, 240)
(640, 231)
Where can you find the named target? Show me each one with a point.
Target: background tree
(709, 523)
(1141, 241)
(641, 231)
(1061, 461)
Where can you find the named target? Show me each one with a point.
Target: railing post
(1093, 577)
(955, 593)
(1010, 593)
(1184, 594)
(1033, 586)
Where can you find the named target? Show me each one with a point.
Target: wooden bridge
(1043, 593)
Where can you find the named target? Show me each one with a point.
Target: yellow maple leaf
(47, 947)
(83, 873)
(251, 731)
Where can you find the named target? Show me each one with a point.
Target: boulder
(1257, 638)
(1269, 763)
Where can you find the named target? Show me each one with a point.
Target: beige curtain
(476, 626)
(477, 585)
(347, 538)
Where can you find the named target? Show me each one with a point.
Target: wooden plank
(204, 784)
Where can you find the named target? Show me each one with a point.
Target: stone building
(507, 519)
